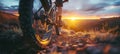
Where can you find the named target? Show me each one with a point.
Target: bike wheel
(26, 22)
(44, 39)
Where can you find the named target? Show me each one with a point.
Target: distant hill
(108, 23)
(111, 22)
(7, 17)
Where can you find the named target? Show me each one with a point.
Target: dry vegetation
(11, 36)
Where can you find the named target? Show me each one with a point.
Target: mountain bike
(43, 25)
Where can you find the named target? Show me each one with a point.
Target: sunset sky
(82, 8)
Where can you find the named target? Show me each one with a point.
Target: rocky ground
(69, 42)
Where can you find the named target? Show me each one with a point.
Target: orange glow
(44, 43)
(72, 21)
(75, 20)
(16, 14)
(79, 17)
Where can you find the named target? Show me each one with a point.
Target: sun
(73, 19)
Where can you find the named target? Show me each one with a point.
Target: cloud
(9, 5)
(95, 7)
(92, 7)
(1, 6)
(81, 7)
(117, 3)
(110, 10)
